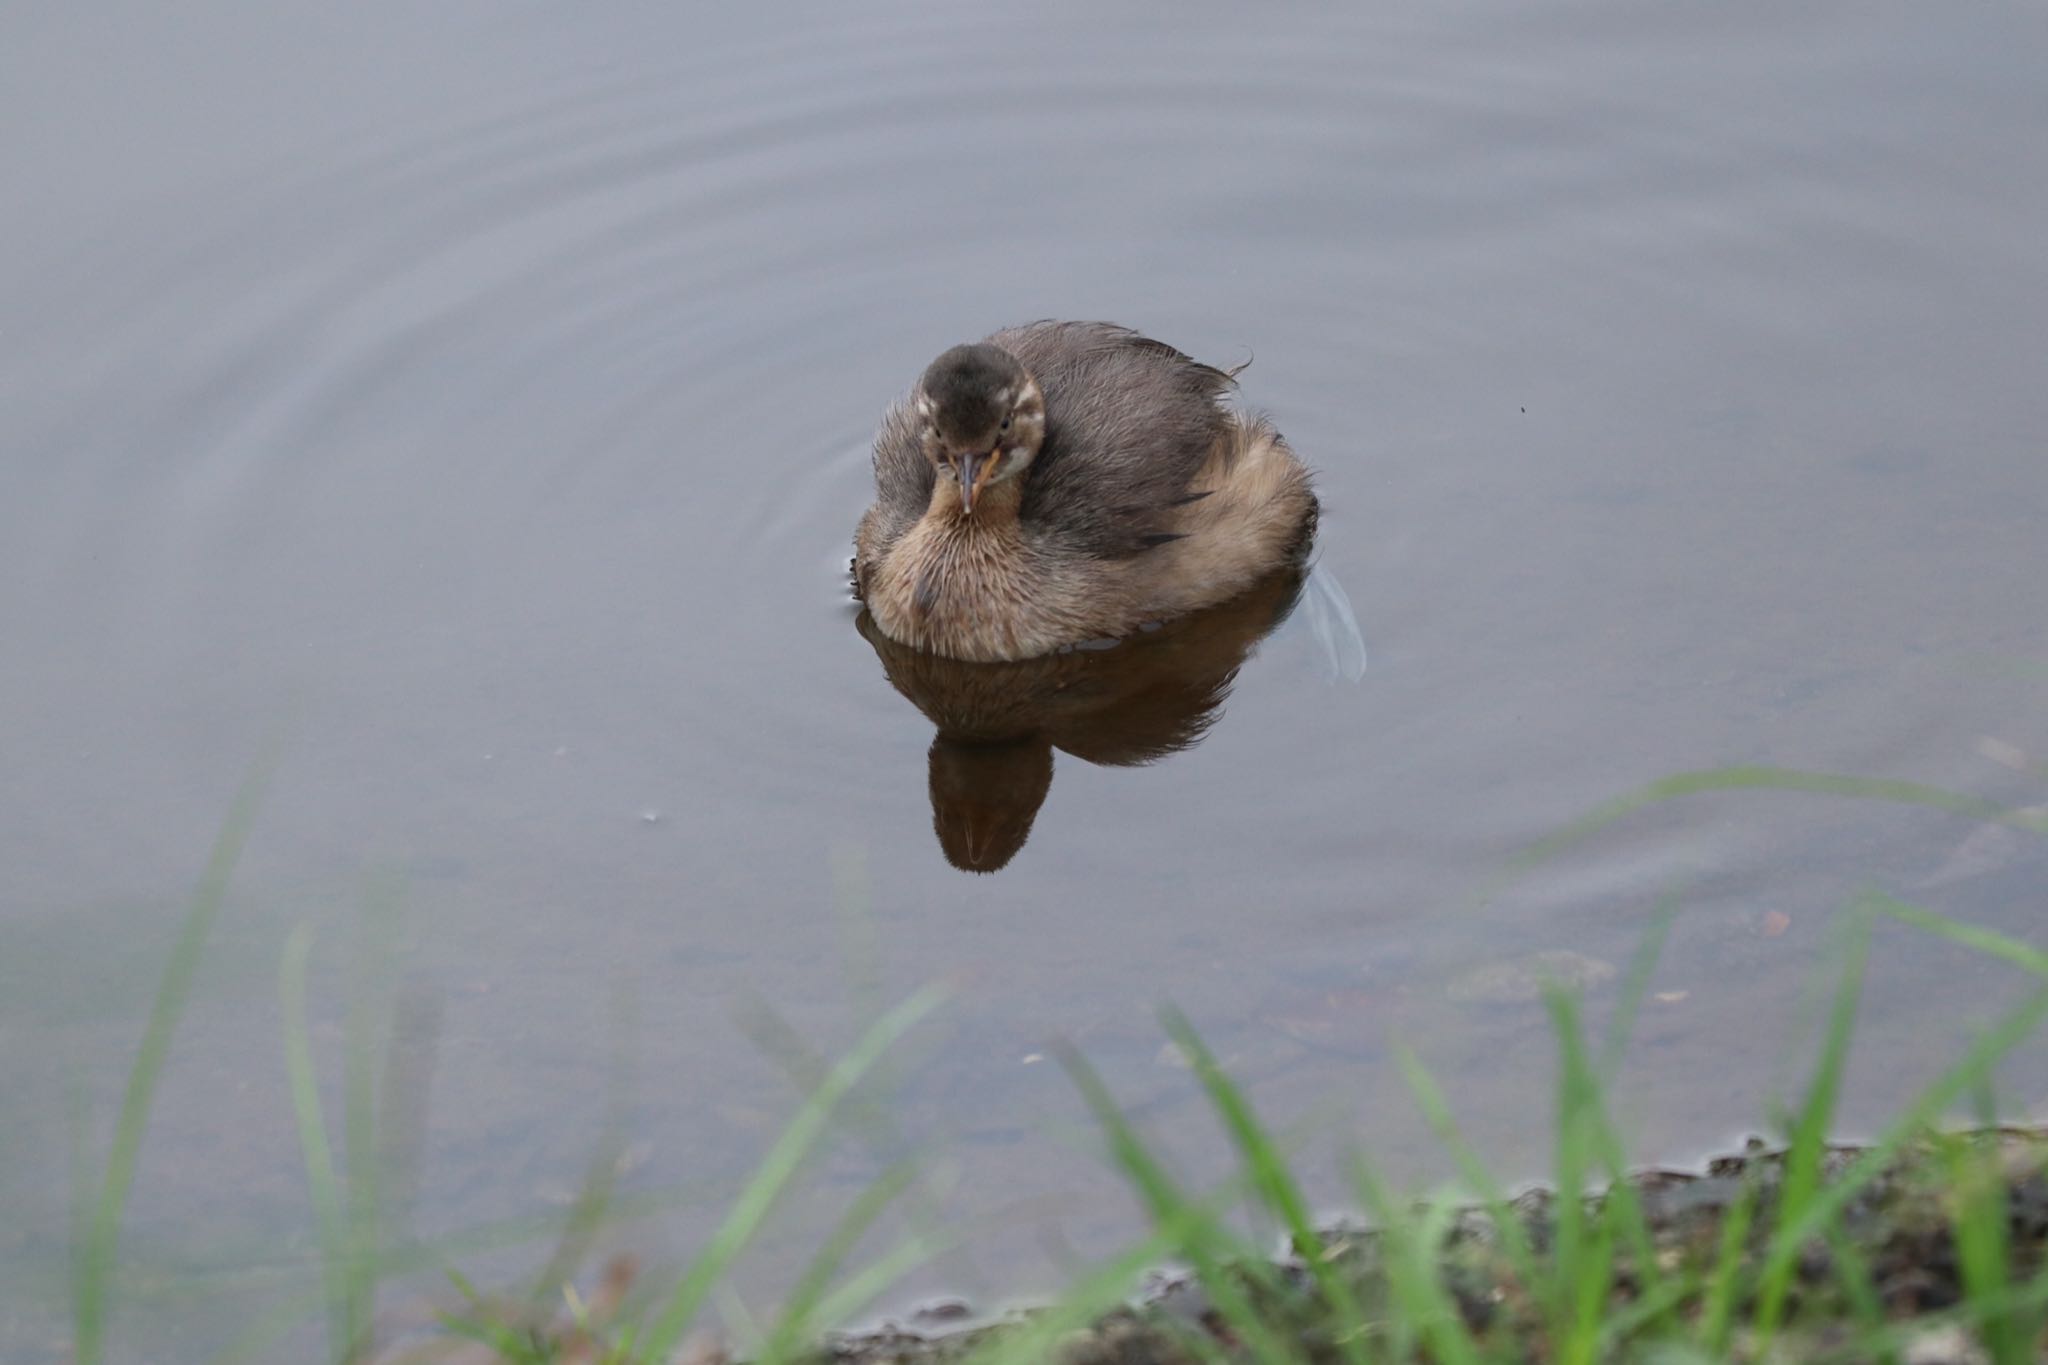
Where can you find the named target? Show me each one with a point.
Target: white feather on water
(1326, 611)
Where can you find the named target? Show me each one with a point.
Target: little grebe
(1064, 482)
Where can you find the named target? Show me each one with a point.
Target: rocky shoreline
(1896, 1239)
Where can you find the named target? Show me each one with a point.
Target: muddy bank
(1887, 1280)
(1937, 1255)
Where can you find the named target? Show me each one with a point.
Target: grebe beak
(976, 467)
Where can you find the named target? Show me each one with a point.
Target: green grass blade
(1514, 1238)
(1585, 1259)
(464, 1286)
(1807, 1151)
(1421, 1310)
(2024, 956)
(1275, 1184)
(868, 1122)
(1621, 1322)
(800, 1313)
(586, 1215)
(870, 1281)
(1621, 1209)
(362, 1200)
(313, 1147)
(1983, 1248)
(2015, 1027)
(1753, 778)
(1213, 1252)
(1571, 1253)
(596, 1195)
(1725, 1282)
(95, 1259)
(258, 1342)
(508, 1344)
(740, 1327)
(1974, 1070)
(1595, 1288)
(776, 1171)
(1036, 1340)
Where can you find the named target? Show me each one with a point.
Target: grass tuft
(100, 1227)
(1796, 1261)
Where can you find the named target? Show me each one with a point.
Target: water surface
(481, 397)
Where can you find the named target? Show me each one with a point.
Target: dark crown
(963, 385)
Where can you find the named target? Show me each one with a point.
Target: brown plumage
(1064, 482)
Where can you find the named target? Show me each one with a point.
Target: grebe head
(983, 415)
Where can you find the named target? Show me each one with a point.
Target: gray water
(477, 397)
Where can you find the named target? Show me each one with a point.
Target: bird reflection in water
(1116, 703)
